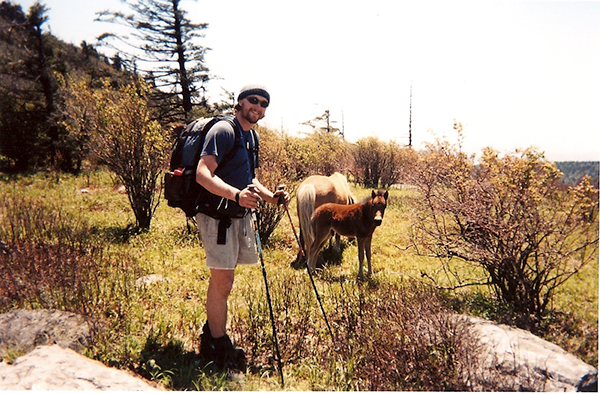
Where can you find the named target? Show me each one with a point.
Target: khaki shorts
(240, 245)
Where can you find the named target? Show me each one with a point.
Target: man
(235, 182)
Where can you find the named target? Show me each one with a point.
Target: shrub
(378, 163)
(508, 216)
(320, 153)
(274, 170)
(132, 145)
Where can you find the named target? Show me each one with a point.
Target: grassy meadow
(154, 329)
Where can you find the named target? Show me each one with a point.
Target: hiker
(239, 247)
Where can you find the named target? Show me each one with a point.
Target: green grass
(154, 330)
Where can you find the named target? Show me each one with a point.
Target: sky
(515, 74)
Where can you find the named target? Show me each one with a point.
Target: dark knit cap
(257, 90)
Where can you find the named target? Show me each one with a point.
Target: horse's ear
(386, 195)
(373, 194)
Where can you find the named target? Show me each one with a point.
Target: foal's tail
(306, 197)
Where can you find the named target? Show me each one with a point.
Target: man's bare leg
(219, 287)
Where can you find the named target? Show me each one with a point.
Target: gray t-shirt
(219, 141)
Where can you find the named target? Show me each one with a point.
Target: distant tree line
(574, 171)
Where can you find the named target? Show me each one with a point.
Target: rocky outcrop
(57, 368)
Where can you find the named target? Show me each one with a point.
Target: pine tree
(163, 48)
(26, 87)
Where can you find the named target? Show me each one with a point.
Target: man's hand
(249, 197)
(282, 196)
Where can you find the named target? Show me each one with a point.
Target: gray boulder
(512, 359)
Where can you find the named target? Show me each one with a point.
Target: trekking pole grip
(281, 198)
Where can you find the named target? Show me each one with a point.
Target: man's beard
(251, 117)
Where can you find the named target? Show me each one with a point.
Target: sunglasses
(253, 100)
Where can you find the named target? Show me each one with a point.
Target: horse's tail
(351, 198)
(305, 205)
(341, 183)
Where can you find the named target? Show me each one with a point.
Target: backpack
(181, 189)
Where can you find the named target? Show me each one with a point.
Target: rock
(517, 360)
(22, 330)
(150, 279)
(57, 368)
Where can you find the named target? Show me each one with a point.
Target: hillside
(35, 70)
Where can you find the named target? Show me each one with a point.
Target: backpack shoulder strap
(201, 133)
(255, 139)
(236, 143)
(236, 131)
(253, 155)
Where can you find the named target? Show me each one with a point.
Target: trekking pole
(264, 272)
(282, 187)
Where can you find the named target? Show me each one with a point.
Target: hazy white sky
(514, 73)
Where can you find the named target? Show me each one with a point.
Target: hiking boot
(221, 352)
